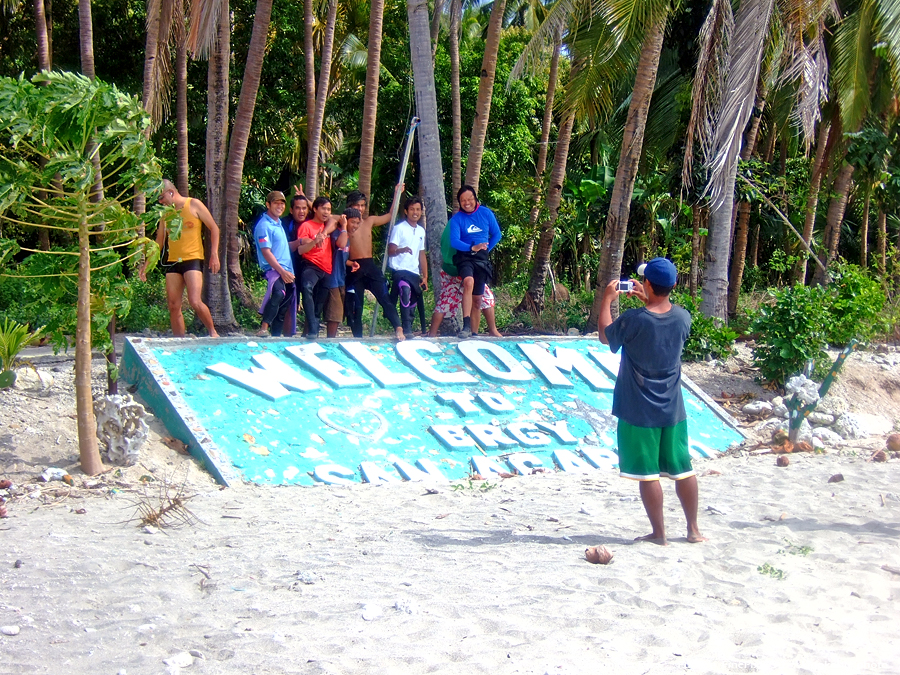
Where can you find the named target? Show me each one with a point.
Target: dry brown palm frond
(165, 509)
(204, 26)
(745, 51)
(709, 84)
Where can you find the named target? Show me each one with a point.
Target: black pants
(369, 278)
(476, 265)
(280, 301)
(313, 294)
(416, 299)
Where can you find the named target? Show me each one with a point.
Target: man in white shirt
(409, 264)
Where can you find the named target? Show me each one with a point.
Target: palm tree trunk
(827, 133)
(882, 241)
(181, 112)
(456, 106)
(697, 212)
(753, 256)
(218, 296)
(88, 450)
(86, 42)
(370, 103)
(312, 157)
(43, 37)
(534, 296)
(629, 158)
(309, 54)
(485, 94)
(541, 164)
(237, 149)
(834, 220)
(151, 47)
(738, 258)
(432, 176)
(436, 26)
(864, 230)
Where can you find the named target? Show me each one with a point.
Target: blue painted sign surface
(288, 411)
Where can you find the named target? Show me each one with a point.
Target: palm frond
(352, 53)
(853, 64)
(630, 18)
(561, 15)
(709, 84)
(887, 25)
(745, 52)
(203, 27)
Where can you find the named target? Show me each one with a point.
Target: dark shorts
(475, 265)
(646, 453)
(183, 266)
(334, 308)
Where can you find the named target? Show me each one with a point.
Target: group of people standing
(323, 262)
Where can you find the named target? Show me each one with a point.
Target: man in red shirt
(316, 257)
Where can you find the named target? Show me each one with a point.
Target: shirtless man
(185, 258)
(369, 275)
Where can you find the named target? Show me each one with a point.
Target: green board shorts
(646, 453)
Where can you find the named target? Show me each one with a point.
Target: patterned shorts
(451, 295)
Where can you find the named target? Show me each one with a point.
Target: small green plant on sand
(14, 337)
(773, 572)
(482, 485)
(794, 549)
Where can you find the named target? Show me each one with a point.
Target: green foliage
(14, 337)
(856, 302)
(708, 337)
(790, 330)
(794, 549)
(148, 306)
(773, 572)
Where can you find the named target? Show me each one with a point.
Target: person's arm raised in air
(377, 221)
(199, 209)
(609, 294)
(341, 225)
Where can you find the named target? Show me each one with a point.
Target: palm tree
(181, 110)
(432, 176)
(485, 94)
(309, 55)
(455, 103)
(370, 104)
(318, 116)
(43, 36)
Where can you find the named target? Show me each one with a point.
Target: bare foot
(213, 334)
(495, 333)
(398, 333)
(653, 538)
(696, 538)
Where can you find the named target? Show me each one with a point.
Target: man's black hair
(320, 200)
(413, 200)
(356, 196)
(661, 291)
(297, 198)
(352, 213)
(463, 190)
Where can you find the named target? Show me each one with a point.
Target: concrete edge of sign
(720, 412)
(138, 367)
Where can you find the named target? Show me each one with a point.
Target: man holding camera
(652, 429)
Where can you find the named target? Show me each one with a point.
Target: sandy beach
(469, 580)
(480, 577)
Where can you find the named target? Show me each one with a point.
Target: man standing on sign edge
(474, 232)
(185, 258)
(652, 429)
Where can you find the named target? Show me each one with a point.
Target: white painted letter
(601, 457)
(489, 436)
(261, 383)
(523, 463)
(424, 471)
(462, 401)
(373, 365)
(527, 434)
(452, 436)
(608, 361)
(274, 367)
(567, 360)
(472, 350)
(570, 463)
(409, 350)
(560, 430)
(486, 466)
(329, 370)
(495, 402)
(372, 473)
(333, 474)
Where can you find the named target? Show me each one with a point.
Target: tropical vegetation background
(754, 142)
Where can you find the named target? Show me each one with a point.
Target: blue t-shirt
(338, 276)
(290, 230)
(269, 233)
(648, 388)
(478, 227)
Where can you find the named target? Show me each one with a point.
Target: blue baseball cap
(660, 271)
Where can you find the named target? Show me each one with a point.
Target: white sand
(496, 585)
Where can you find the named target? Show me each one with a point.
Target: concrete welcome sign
(345, 411)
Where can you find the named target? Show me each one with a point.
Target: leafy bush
(790, 331)
(856, 303)
(708, 337)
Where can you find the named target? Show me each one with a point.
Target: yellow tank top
(190, 244)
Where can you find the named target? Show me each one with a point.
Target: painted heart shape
(357, 421)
